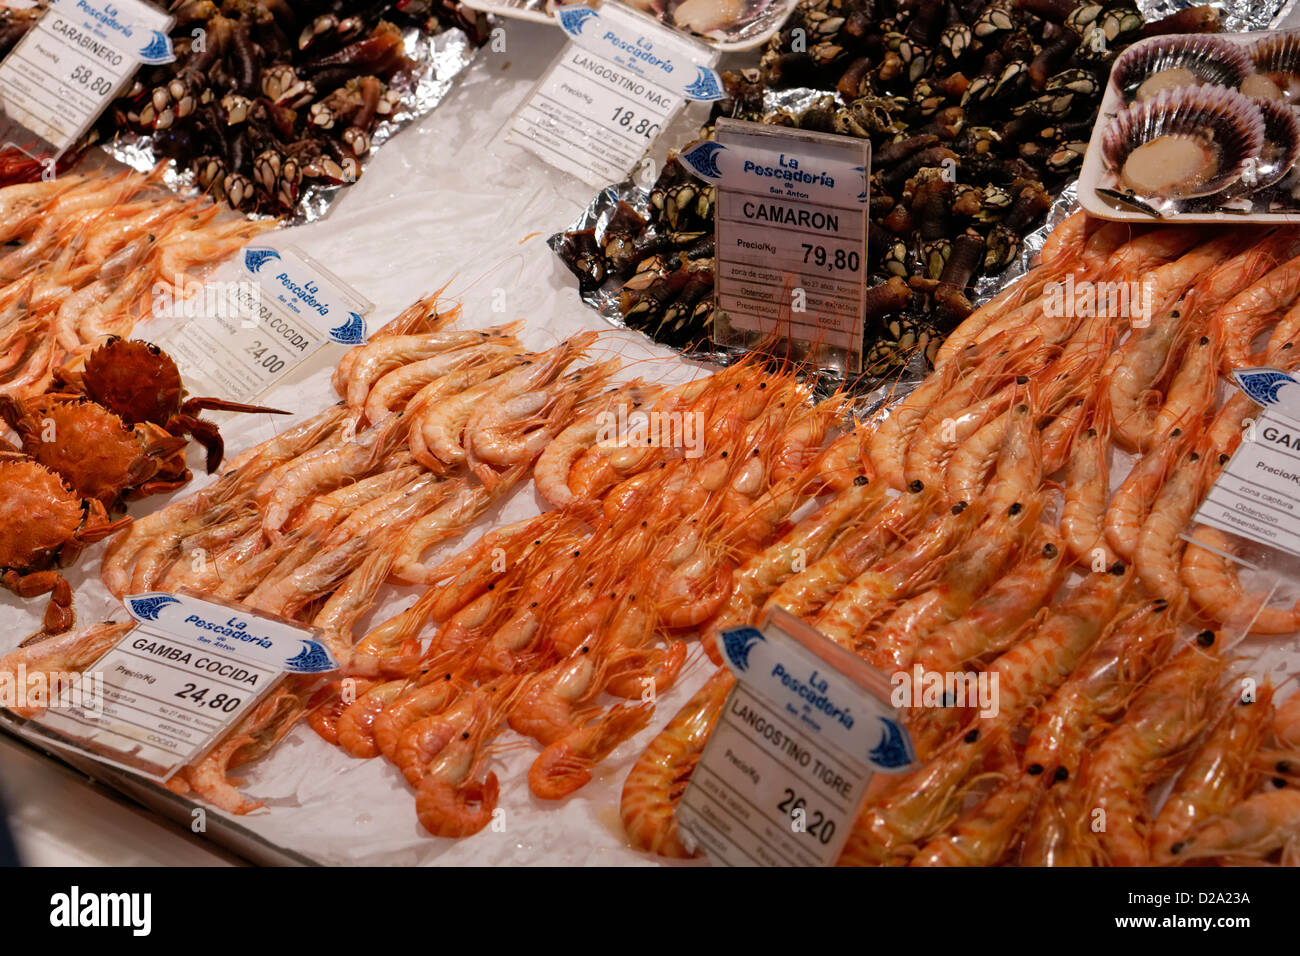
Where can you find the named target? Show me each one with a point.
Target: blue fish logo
(573, 19)
(351, 332)
(157, 50)
(706, 87)
(254, 259)
(1262, 384)
(146, 606)
(736, 644)
(894, 749)
(703, 159)
(312, 659)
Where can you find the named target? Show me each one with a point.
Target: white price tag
(791, 235)
(786, 769)
(617, 85)
(182, 677)
(1257, 495)
(244, 335)
(77, 58)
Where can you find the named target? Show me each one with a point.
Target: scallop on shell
(1186, 142)
(1169, 62)
(1281, 145)
(1276, 59)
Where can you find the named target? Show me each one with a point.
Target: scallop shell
(1230, 123)
(1281, 144)
(1278, 56)
(1213, 61)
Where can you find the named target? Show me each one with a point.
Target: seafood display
(280, 98)
(1198, 125)
(977, 115)
(310, 524)
(523, 543)
(1001, 550)
(86, 256)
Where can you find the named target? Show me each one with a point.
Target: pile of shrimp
(991, 539)
(436, 424)
(84, 256)
(565, 628)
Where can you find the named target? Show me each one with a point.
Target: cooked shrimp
(1218, 775)
(565, 765)
(1252, 829)
(1086, 489)
(658, 779)
(1129, 505)
(1159, 545)
(394, 351)
(1166, 716)
(1215, 588)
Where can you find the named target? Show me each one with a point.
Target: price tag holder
(187, 672)
(243, 336)
(786, 769)
(791, 236)
(1257, 495)
(620, 81)
(70, 65)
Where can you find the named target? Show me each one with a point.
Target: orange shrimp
(1252, 829)
(1167, 715)
(355, 729)
(965, 576)
(565, 765)
(431, 694)
(1217, 777)
(328, 704)
(1212, 581)
(451, 800)
(657, 781)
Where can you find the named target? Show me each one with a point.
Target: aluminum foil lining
(439, 58)
(1237, 15)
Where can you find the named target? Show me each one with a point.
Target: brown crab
(44, 522)
(139, 382)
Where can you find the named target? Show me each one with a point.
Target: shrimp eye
(1177, 848)
(1116, 569)
(762, 384)
(465, 735)
(861, 480)
(1016, 509)
(585, 649)
(1022, 379)
(959, 507)
(1205, 638)
(1279, 782)
(1035, 769)
(971, 737)
(1061, 774)
(446, 677)
(1049, 551)
(916, 486)
(1284, 766)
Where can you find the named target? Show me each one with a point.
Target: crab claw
(220, 405)
(59, 615)
(205, 433)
